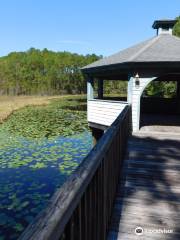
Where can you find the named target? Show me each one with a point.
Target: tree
(43, 72)
(176, 30)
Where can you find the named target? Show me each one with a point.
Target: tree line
(45, 72)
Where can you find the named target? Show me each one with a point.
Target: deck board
(149, 196)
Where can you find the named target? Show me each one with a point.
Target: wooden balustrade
(81, 209)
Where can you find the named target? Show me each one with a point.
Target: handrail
(81, 208)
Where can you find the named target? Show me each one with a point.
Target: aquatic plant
(39, 148)
(59, 118)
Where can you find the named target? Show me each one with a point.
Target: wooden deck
(149, 196)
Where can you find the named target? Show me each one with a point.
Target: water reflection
(30, 172)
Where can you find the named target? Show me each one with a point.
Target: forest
(44, 72)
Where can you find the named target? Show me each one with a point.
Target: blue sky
(81, 26)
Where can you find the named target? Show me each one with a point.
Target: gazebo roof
(161, 50)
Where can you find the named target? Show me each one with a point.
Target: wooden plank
(135, 219)
(107, 101)
(129, 234)
(113, 235)
(104, 115)
(101, 121)
(155, 210)
(167, 173)
(107, 106)
(151, 194)
(134, 182)
(150, 180)
(144, 164)
(162, 150)
(104, 111)
(159, 157)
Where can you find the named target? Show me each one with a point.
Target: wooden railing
(81, 209)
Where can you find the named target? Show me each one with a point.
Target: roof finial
(164, 26)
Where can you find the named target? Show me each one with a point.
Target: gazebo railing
(81, 209)
(104, 112)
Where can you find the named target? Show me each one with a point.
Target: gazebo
(155, 59)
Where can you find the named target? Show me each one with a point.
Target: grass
(8, 104)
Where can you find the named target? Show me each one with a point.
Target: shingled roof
(158, 56)
(162, 48)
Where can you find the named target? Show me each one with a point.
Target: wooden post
(97, 134)
(100, 88)
(90, 88)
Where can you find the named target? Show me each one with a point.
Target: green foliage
(161, 89)
(59, 118)
(115, 87)
(43, 72)
(176, 30)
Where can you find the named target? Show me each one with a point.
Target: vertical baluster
(80, 221)
(91, 212)
(104, 197)
(97, 211)
(109, 183)
(69, 230)
(101, 201)
(94, 208)
(84, 217)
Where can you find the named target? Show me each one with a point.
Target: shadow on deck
(149, 194)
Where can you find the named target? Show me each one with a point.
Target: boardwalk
(151, 189)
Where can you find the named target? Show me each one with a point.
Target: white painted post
(136, 99)
(129, 89)
(90, 88)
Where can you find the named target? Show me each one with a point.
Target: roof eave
(129, 65)
(122, 70)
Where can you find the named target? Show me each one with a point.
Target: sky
(102, 27)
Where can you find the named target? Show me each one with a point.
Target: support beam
(100, 88)
(129, 89)
(137, 91)
(90, 88)
(97, 134)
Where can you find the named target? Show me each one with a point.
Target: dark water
(30, 172)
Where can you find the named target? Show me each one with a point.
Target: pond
(39, 148)
(30, 172)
